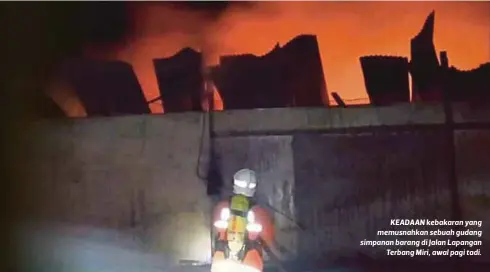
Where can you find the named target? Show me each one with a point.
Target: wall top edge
(285, 119)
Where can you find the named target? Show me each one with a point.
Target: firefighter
(242, 227)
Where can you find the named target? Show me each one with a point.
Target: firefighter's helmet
(245, 182)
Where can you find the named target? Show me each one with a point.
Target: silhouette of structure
(386, 79)
(424, 65)
(106, 88)
(430, 79)
(305, 79)
(248, 81)
(469, 86)
(288, 76)
(180, 81)
(46, 107)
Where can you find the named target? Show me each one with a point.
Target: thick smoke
(345, 30)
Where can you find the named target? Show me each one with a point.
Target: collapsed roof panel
(304, 66)
(106, 88)
(386, 79)
(247, 82)
(285, 77)
(424, 65)
(180, 80)
(469, 86)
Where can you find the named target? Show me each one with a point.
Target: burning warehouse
(106, 88)
(288, 76)
(386, 79)
(180, 81)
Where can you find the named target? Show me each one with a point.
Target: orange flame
(345, 31)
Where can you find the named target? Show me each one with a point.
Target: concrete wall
(134, 174)
(138, 174)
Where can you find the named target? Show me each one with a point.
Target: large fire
(345, 31)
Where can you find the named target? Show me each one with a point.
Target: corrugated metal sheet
(106, 88)
(386, 79)
(181, 81)
(469, 86)
(287, 76)
(424, 64)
